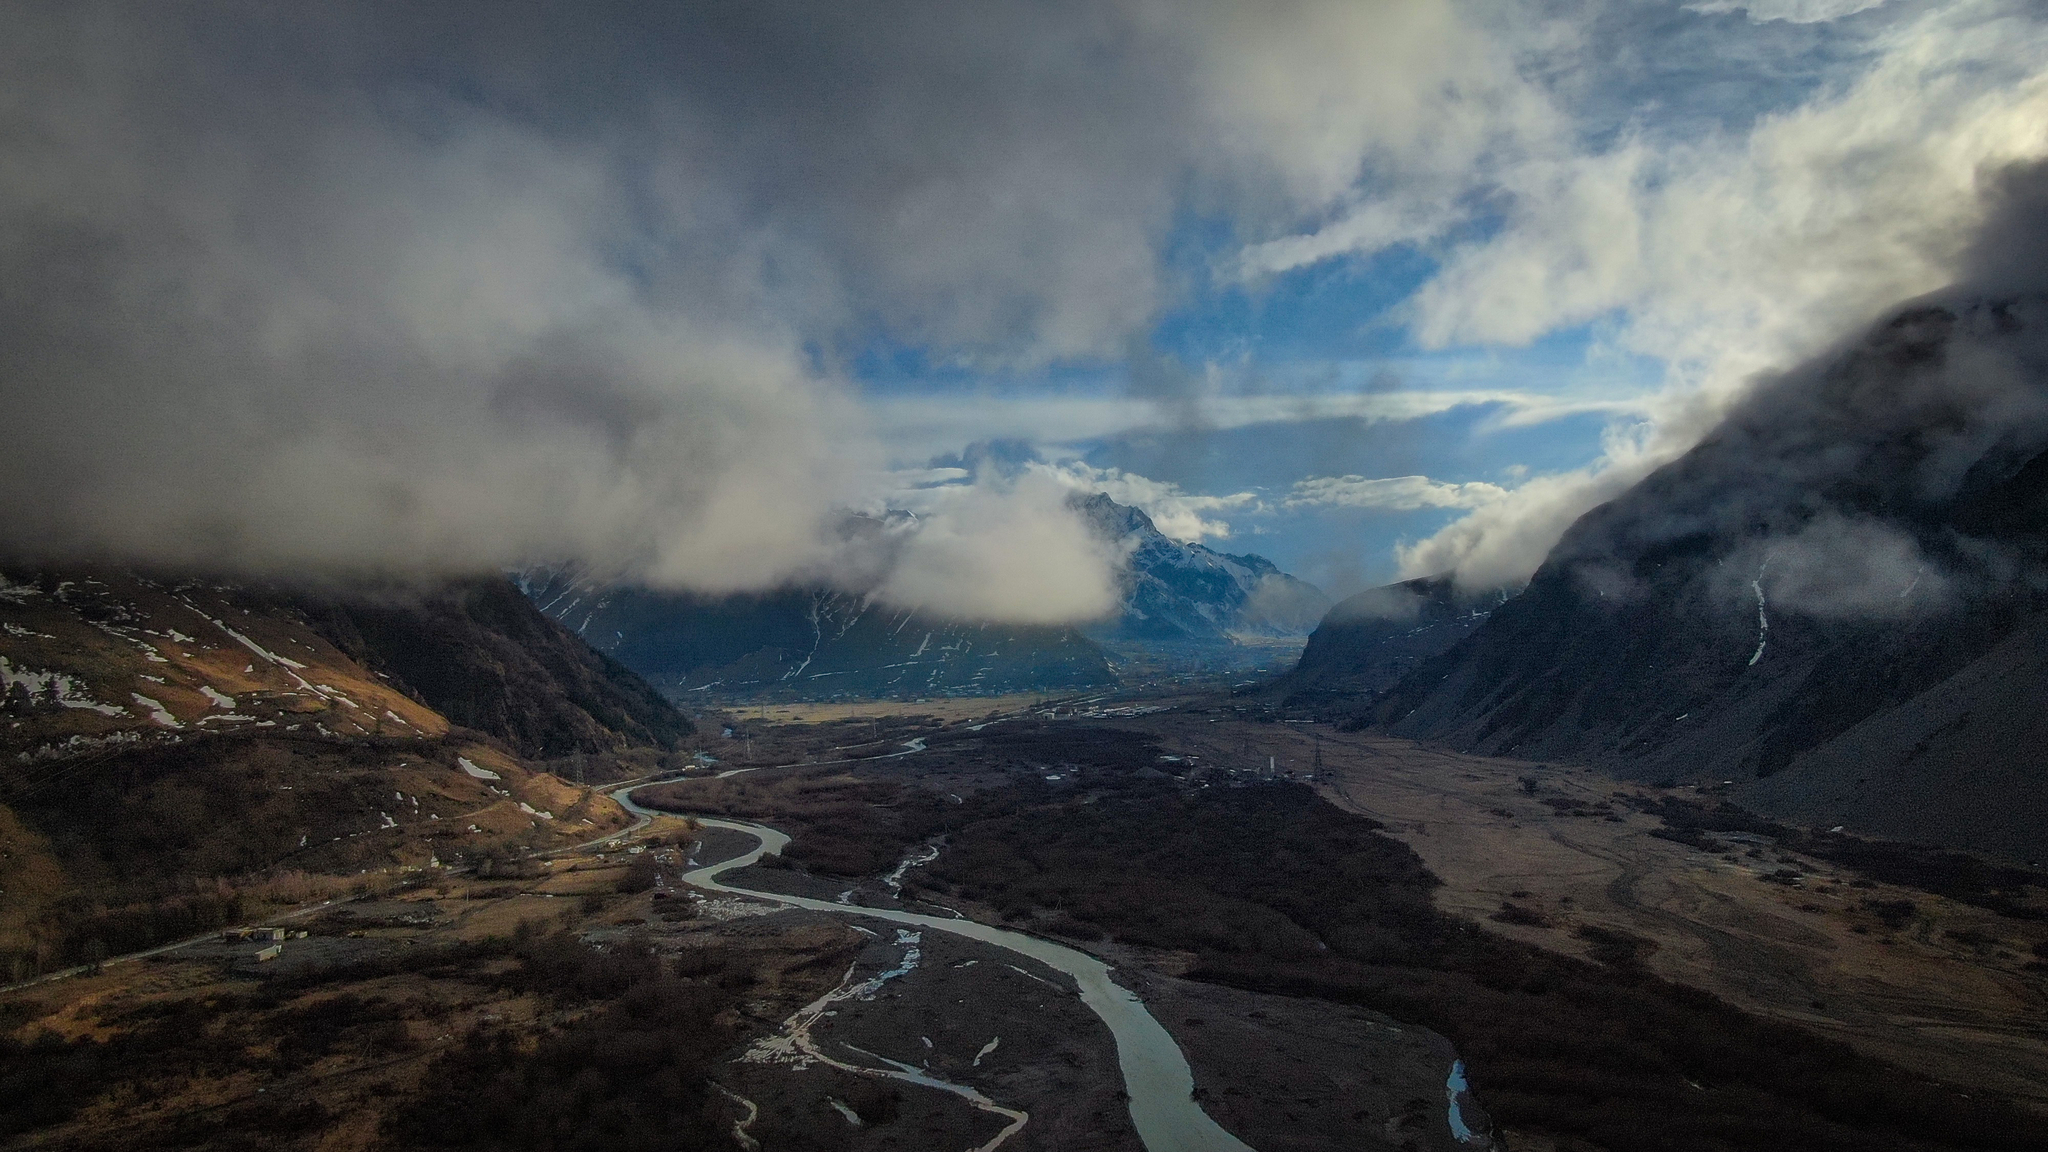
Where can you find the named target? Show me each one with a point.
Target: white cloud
(1494, 546)
(358, 286)
(914, 478)
(1732, 253)
(1178, 515)
(1393, 493)
(1007, 550)
(1837, 566)
(1316, 94)
(1742, 252)
(923, 426)
(1791, 11)
(1367, 228)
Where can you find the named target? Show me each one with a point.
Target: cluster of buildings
(274, 936)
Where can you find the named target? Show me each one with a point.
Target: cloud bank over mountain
(393, 288)
(371, 286)
(1738, 254)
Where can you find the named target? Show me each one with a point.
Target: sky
(669, 290)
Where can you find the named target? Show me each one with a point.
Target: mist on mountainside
(850, 638)
(369, 291)
(1836, 483)
(1173, 592)
(1834, 596)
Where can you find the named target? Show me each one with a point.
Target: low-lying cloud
(1896, 475)
(1184, 516)
(396, 288)
(1739, 253)
(418, 289)
(1844, 567)
(1394, 493)
(1008, 549)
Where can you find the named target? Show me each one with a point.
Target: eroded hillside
(180, 754)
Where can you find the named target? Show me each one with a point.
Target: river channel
(1156, 1075)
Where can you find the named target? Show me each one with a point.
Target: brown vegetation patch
(1278, 891)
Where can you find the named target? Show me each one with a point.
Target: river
(1156, 1076)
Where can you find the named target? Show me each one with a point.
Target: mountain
(398, 660)
(1179, 593)
(93, 661)
(816, 640)
(809, 641)
(170, 747)
(1369, 641)
(1838, 600)
(478, 652)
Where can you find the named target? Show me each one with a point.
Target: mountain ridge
(1185, 593)
(822, 640)
(1368, 641)
(1855, 536)
(178, 753)
(808, 640)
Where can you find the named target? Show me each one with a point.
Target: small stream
(1156, 1075)
(796, 1046)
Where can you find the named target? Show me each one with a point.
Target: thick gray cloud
(391, 286)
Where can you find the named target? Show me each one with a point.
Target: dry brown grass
(948, 708)
(1931, 997)
(358, 1081)
(120, 637)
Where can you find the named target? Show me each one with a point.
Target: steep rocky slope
(1836, 600)
(479, 653)
(1369, 641)
(102, 660)
(105, 658)
(1180, 593)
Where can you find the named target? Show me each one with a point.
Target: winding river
(1156, 1075)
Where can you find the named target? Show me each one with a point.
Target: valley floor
(1541, 853)
(1318, 978)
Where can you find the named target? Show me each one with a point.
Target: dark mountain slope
(479, 653)
(1961, 763)
(819, 641)
(167, 743)
(810, 642)
(474, 651)
(1850, 559)
(1369, 641)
